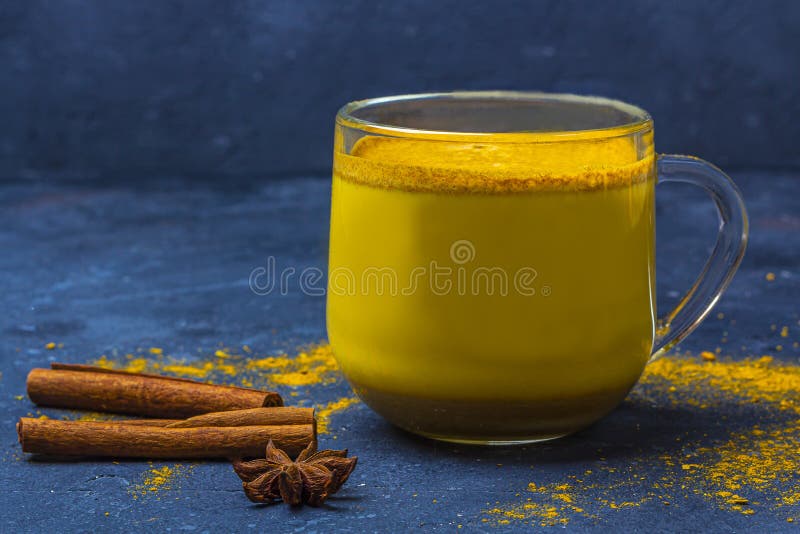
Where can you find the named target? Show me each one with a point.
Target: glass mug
(492, 269)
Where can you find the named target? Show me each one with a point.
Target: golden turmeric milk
(492, 291)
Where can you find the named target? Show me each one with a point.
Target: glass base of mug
(492, 422)
(497, 443)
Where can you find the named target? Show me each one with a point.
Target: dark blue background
(244, 88)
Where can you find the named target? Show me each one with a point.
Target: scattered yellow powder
(758, 461)
(157, 351)
(227, 369)
(625, 504)
(708, 356)
(158, 479)
(192, 370)
(770, 277)
(762, 460)
(50, 346)
(18, 397)
(314, 366)
(270, 362)
(136, 365)
(550, 505)
(785, 331)
(104, 363)
(750, 469)
(752, 379)
(325, 412)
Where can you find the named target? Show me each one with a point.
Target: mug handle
(725, 258)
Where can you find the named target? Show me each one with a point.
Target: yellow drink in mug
(492, 268)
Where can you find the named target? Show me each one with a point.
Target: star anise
(309, 479)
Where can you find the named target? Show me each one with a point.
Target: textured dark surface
(104, 268)
(92, 87)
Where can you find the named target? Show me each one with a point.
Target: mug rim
(640, 120)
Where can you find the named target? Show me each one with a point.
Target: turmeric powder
(157, 479)
(752, 468)
(315, 365)
(325, 411)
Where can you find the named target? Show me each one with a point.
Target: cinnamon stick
(280, 415)
(149, 395)
(284, 415)
(120, 440)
